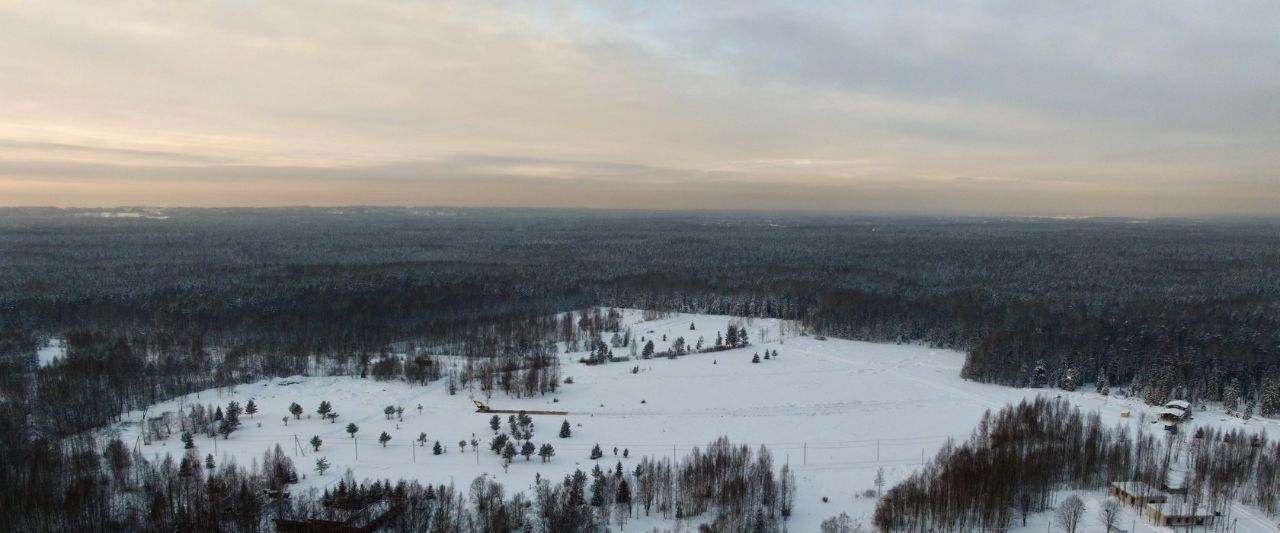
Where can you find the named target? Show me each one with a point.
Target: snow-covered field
(835, 410)
(53, 350)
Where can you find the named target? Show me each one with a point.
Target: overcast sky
(1024, 108)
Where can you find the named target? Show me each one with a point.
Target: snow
(835, 410)
(53, 350)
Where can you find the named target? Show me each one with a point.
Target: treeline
(725, 487)
(1018, 458)
(77, 485)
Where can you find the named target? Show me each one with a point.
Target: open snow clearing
(836, 411)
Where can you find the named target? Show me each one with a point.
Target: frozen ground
(835, 410)
(53, 350)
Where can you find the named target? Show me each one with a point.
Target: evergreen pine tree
(352, 428)
(295, 410)
(1231, 395)
(384, 438)
(596, 453)
(495, 423)
(1270, 397)
(251, 408)
(624, 493)
(546, 451)
(597, 490)
(1068, 382)
(208, 462)
(322, 464)
(230, 421)
(565, 431)
(316, 442)
(496, 444)
(1040, 375)
(527, 450)
(437, 449)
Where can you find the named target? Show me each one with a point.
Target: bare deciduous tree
(1069, 513)
(1110, 513)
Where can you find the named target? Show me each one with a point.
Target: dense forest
(1177, 307)
(152, 304)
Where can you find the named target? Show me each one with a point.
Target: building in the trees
(1174, 413)
(1178, 514)
(1137, 493)
(1155, 503)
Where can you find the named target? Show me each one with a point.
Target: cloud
(888, 106)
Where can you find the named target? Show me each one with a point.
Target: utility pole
(877, 450)
(805, 458)
(356, 442)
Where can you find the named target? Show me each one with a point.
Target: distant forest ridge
(1174, 307)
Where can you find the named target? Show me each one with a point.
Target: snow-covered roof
(1173, 411)
(1177, 509)
(1179, 404)
(1138, 488)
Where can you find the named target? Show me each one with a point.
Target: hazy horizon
(1001, 108)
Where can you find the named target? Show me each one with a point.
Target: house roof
(1178, 509)
(1138, 488)
(1179, 404)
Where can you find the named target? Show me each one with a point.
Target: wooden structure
(1174, 514)
(481, 407)
(1137, 493)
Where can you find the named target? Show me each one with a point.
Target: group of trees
(77, 486)
(1019, 457)
(521, 426)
